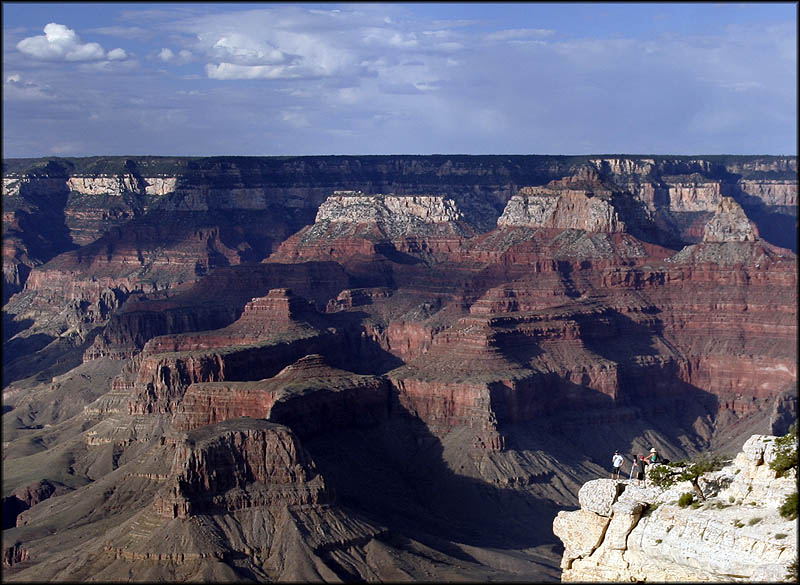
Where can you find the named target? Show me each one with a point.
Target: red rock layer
(309, 396)
(349, 298)
(162, 378)
(239, 464)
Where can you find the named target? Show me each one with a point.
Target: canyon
(379, 367)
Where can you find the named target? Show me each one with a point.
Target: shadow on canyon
(776, 224)
(398, 475)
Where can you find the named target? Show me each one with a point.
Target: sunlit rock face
(625, 532)
(729, 224)
(566, 209)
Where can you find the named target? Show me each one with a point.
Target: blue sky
(200, 79)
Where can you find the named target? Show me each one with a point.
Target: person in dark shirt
(639, 464)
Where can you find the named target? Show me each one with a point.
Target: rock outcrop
(309, 396)
(232, 465)
(729, 224)
(350, 223)
(625, 532)
(560, 209)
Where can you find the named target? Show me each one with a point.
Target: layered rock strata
(729, 224)
(309, 396)
(565, 209)
(351, 223)
(472, 349)
(232, 465)
(624, 532)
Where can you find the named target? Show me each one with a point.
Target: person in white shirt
(616, 463)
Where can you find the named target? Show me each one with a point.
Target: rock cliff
(560, 209)
(626, 532)
(729, 224)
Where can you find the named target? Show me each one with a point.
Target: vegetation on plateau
(665, 475)
(786, 459)
(785, 452)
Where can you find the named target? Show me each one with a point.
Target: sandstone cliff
(624, 532)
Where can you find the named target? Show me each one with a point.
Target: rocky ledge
(624, 532)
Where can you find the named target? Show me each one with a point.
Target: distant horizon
(433, 154)
(327, 79)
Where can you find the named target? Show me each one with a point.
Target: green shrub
(788, 509)
(666, 475)
(754, 521)
(685, 499)
(785, 452)
(737, 523)
(780, 536)
(658, 541)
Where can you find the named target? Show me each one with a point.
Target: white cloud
(110, 66)
(294, 43)
(15, 87)
(244, 50)
(182, 57)
(117, 55)
(60, 43)
(386, 37)
(233, 71)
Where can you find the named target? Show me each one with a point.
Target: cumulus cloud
(294, 43)
(245, 50)
(167, 55)
(60, 43)
(117, 55)
(233, 71)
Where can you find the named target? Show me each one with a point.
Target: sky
(218, 78)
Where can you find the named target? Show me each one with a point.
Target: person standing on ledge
(639, 465)
(616, 463)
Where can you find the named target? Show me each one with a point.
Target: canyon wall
(498, 323)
